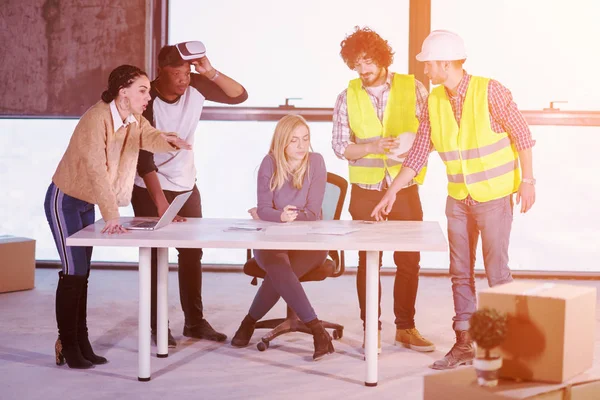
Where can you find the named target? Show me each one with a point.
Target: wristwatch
(531, 181)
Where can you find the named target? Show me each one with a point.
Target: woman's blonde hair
(282, 137)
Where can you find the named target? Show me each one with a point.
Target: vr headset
(180, 53)
(190, 51)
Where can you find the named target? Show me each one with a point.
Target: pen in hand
(297, 209)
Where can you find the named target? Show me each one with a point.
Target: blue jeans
(284, 268)
(67, 215)
(493, 219)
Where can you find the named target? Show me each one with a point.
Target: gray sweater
(308, 199)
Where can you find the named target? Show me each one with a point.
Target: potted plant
(488, 330)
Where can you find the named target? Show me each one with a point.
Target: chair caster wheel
(262, 346)
(338, 334)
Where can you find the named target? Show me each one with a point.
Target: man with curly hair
(371, 117)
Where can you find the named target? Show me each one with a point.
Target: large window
(281, 49)
(278, 53)
(543, 51)
(560, 233)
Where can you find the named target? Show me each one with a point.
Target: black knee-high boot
(68, 293)
(82, 330)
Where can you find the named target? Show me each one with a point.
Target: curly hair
(364, 41)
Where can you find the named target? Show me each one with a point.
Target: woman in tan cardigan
(98, 167)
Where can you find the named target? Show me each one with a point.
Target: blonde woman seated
(291, 187)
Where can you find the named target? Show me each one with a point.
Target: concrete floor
(199, 369)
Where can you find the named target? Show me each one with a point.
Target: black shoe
(88, 353)
(321, 340)
(244, 333)
(204, 331)
(172, 343)
(72, 355)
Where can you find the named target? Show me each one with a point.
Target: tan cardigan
(99, 165)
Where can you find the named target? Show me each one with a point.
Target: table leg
(162, 316)
(144, 315)
(372, 312)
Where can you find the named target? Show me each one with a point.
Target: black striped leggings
(67, 215)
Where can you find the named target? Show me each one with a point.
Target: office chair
(335, 194)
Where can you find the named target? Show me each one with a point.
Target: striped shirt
(504, 117)
(343, 136)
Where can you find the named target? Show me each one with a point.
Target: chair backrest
(333, 202)
(335, 195)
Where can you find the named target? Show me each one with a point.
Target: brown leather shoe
(462, 353)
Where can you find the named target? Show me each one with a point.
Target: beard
(371, 78)
(368, 79)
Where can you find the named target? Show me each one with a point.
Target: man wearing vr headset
(177, 98)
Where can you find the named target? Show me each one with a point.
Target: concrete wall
(57, 54)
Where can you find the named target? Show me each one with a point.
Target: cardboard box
(17, 263)
(551, 327)
(461, 384)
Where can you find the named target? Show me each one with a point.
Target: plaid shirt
(343, 136)
(504, 117)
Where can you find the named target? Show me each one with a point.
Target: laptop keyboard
(145, 224)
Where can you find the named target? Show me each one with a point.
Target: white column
(162, 307)
(144, 315)
(371, 317)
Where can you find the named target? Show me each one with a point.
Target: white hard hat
(442, 45)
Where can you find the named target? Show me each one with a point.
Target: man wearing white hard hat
(177, 99)
(476, 128)
(373, 120)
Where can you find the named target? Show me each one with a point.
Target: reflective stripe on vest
(399, 117)
(479, 162)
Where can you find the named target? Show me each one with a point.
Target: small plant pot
(487, 370)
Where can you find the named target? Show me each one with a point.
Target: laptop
(151, 225)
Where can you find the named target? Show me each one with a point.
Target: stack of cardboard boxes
(549, 346)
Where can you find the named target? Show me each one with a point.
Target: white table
(211, 233)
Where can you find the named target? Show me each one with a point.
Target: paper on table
(287, 229)
(334, 230)
(243, 228)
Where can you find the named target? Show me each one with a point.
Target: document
(243, 228)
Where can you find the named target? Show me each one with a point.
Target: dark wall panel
(57, 55)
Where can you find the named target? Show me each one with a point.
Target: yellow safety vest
(399, 117)
(479, 162)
